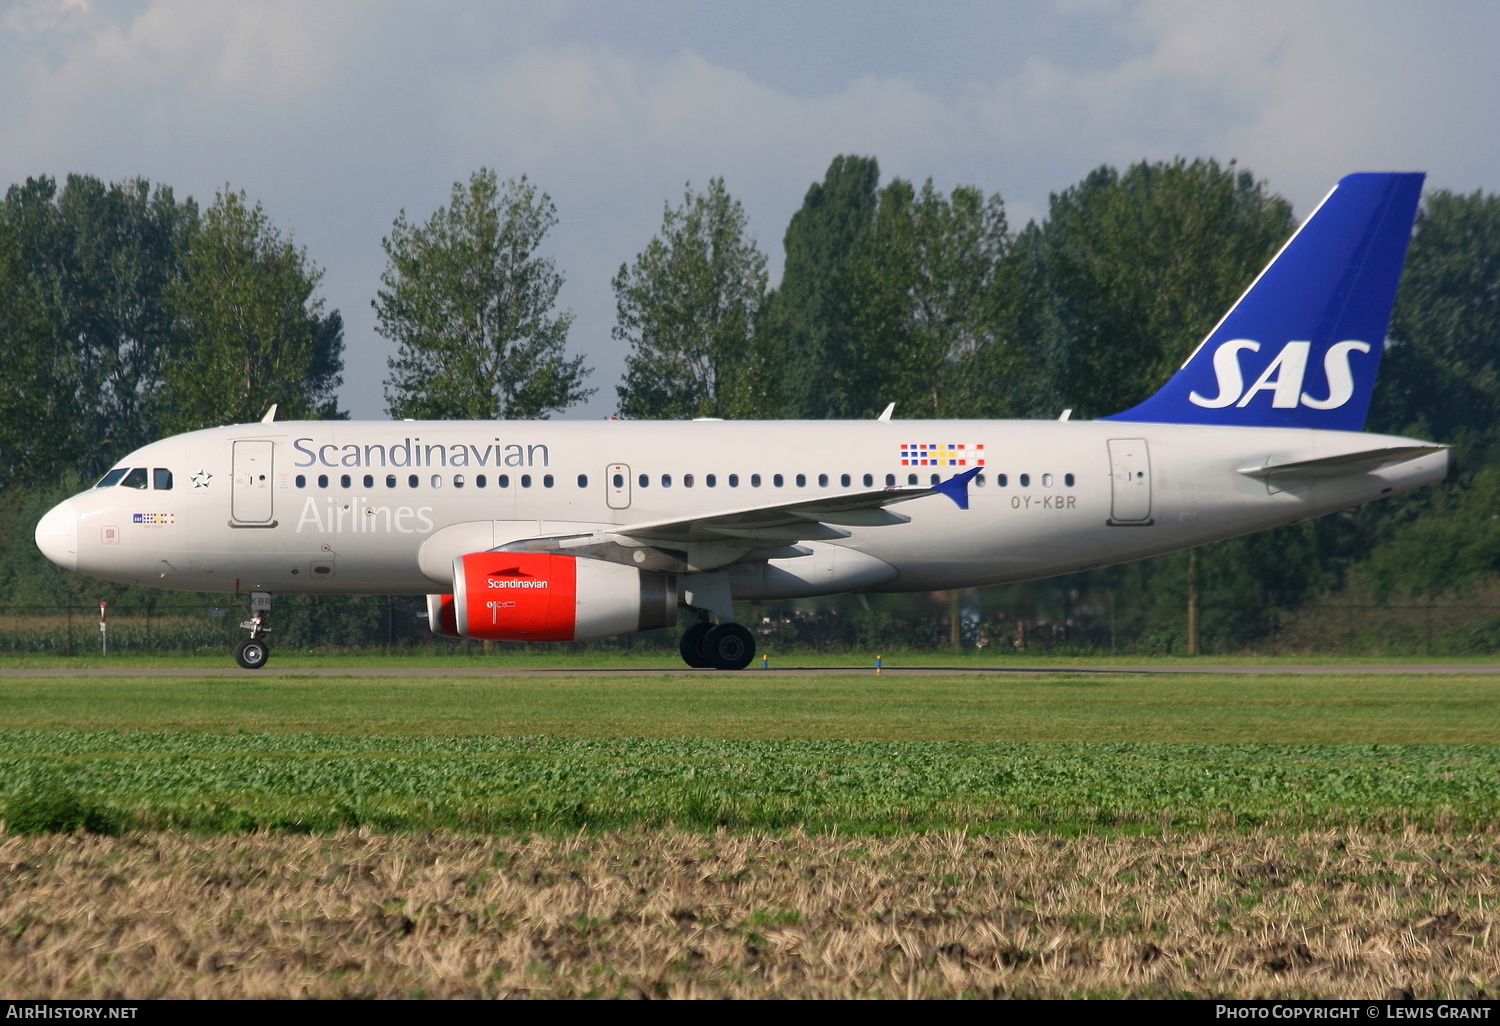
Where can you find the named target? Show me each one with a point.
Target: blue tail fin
(1301, 346)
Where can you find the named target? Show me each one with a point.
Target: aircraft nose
(57, 535)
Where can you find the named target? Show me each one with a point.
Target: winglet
(270, 415)
(957, 487)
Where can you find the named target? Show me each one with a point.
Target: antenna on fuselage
(270, 415)
(888, 411)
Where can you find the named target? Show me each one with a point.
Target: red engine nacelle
(543, 596)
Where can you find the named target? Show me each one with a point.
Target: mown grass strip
(319, 782)
(1285, 709)
(559, 658)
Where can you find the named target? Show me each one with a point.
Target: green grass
(849, 752)
(1184, 708)
(558, 658)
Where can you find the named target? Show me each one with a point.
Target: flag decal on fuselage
(931, 454)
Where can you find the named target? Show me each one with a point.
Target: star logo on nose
(201, 479)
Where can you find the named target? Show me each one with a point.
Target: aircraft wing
(802, 520)
(711, 540)
(1346, 463)
(812, 519)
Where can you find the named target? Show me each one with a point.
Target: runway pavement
(783, 671)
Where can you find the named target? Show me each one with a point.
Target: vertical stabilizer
(1301, 347)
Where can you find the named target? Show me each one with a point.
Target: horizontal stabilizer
(1347, 463)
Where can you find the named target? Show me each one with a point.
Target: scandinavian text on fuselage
(413, 452)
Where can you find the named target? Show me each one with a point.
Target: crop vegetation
(1058, 834)
(212, 782)
(667, 913)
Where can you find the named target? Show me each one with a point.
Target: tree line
(129, 314)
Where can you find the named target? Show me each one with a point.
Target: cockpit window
(112, 478)
(135, 479)
(161, 479)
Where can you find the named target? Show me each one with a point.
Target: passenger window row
(618, 480)
(844, 480)
(435, 481)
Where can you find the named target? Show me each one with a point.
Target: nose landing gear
(252, 652)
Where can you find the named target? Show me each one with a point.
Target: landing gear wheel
(691, 645)
(251, 653)
(729, 647)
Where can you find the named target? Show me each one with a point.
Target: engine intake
(544, 596)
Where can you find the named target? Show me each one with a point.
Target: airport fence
(208, 625)
(1325, 628)
(397, 623)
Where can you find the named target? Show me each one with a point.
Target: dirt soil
(675, 914)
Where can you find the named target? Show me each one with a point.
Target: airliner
(560, 531)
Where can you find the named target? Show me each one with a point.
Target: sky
(338, 115)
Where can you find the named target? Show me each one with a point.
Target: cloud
(1301, 93)
(272, 50)
(41, 16)
(338, 114)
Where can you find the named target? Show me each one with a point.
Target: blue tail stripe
(1302, 345)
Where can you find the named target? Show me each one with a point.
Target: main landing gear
(725, 646)
(252, 652)
(722, 646)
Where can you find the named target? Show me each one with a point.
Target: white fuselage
(347, 507)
